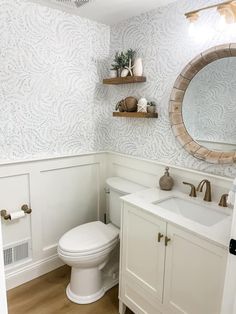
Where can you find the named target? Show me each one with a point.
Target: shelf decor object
(142, 105)
(138, 67)
(135, 114)
(123, 63)
(129, 104)
(124, 80)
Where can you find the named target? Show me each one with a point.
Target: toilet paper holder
(7, 216)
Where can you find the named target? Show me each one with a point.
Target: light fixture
(192, 16)
(227, 11)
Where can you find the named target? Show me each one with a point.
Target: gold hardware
(167, 240)
(26, 209)
(7, 216)
(160, 236)
(207, 196)
(223, 200)
(193, 189)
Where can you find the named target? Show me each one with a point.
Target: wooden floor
(46, 295)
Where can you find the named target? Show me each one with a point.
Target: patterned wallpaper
(52, 101)
(48, 78)
(163, 41)
(209, 108)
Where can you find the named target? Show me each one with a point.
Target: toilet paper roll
(17, 215)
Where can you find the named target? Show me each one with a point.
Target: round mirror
(203, 105)
(209, 106)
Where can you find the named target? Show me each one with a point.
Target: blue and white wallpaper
(52, 101)
(48, 80)
(163, 41)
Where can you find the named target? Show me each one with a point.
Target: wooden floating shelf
(135, 114)
(125, 80)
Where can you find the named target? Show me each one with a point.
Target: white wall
(148, 173)
(3, 299)
(62, 193)
(66, 192)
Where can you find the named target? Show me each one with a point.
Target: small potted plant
(123, 63)
(129, 67)
(120, 62)
(151, 107)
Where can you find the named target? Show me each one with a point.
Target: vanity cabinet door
(194, 275)
(143, 257)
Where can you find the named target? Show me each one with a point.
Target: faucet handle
(193, 189)
(223, 200)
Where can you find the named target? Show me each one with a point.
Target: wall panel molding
(105, 165)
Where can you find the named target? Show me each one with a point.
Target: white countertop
(218, 233)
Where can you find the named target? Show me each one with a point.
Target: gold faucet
(223, 200)
(193, 189)
(207, 196)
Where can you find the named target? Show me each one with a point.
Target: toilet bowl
(87, 249)
(92, 249)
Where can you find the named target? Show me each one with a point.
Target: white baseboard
(32, 271)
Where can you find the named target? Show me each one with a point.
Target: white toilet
(90, 249)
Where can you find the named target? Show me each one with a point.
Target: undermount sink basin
(200, 213)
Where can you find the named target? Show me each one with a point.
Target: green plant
(151, 103)
(131, 54)
(122, 59)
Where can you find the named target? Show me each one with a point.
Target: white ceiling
(106, 11)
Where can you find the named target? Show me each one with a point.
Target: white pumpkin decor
(124, 72)
(142, 105)
(138, 67)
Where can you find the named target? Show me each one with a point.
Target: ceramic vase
(138, 67)
(113, 73)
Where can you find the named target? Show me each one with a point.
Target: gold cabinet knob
(160, 236)
(167, 240)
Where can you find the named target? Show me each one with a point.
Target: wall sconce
(192, 18)
(227, 11)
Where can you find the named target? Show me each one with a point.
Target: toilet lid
(88, 237)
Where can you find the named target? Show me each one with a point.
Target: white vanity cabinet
(184, 275)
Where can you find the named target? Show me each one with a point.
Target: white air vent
(16, 253)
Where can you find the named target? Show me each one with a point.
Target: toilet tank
(117, 187)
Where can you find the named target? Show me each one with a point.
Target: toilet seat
(91, 238)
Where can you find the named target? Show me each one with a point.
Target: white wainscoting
(66, 192)
(62, 193)
(147, 173)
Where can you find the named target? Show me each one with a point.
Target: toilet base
(88, 285)
(108, 284)
(110, 278)
(84, 299)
